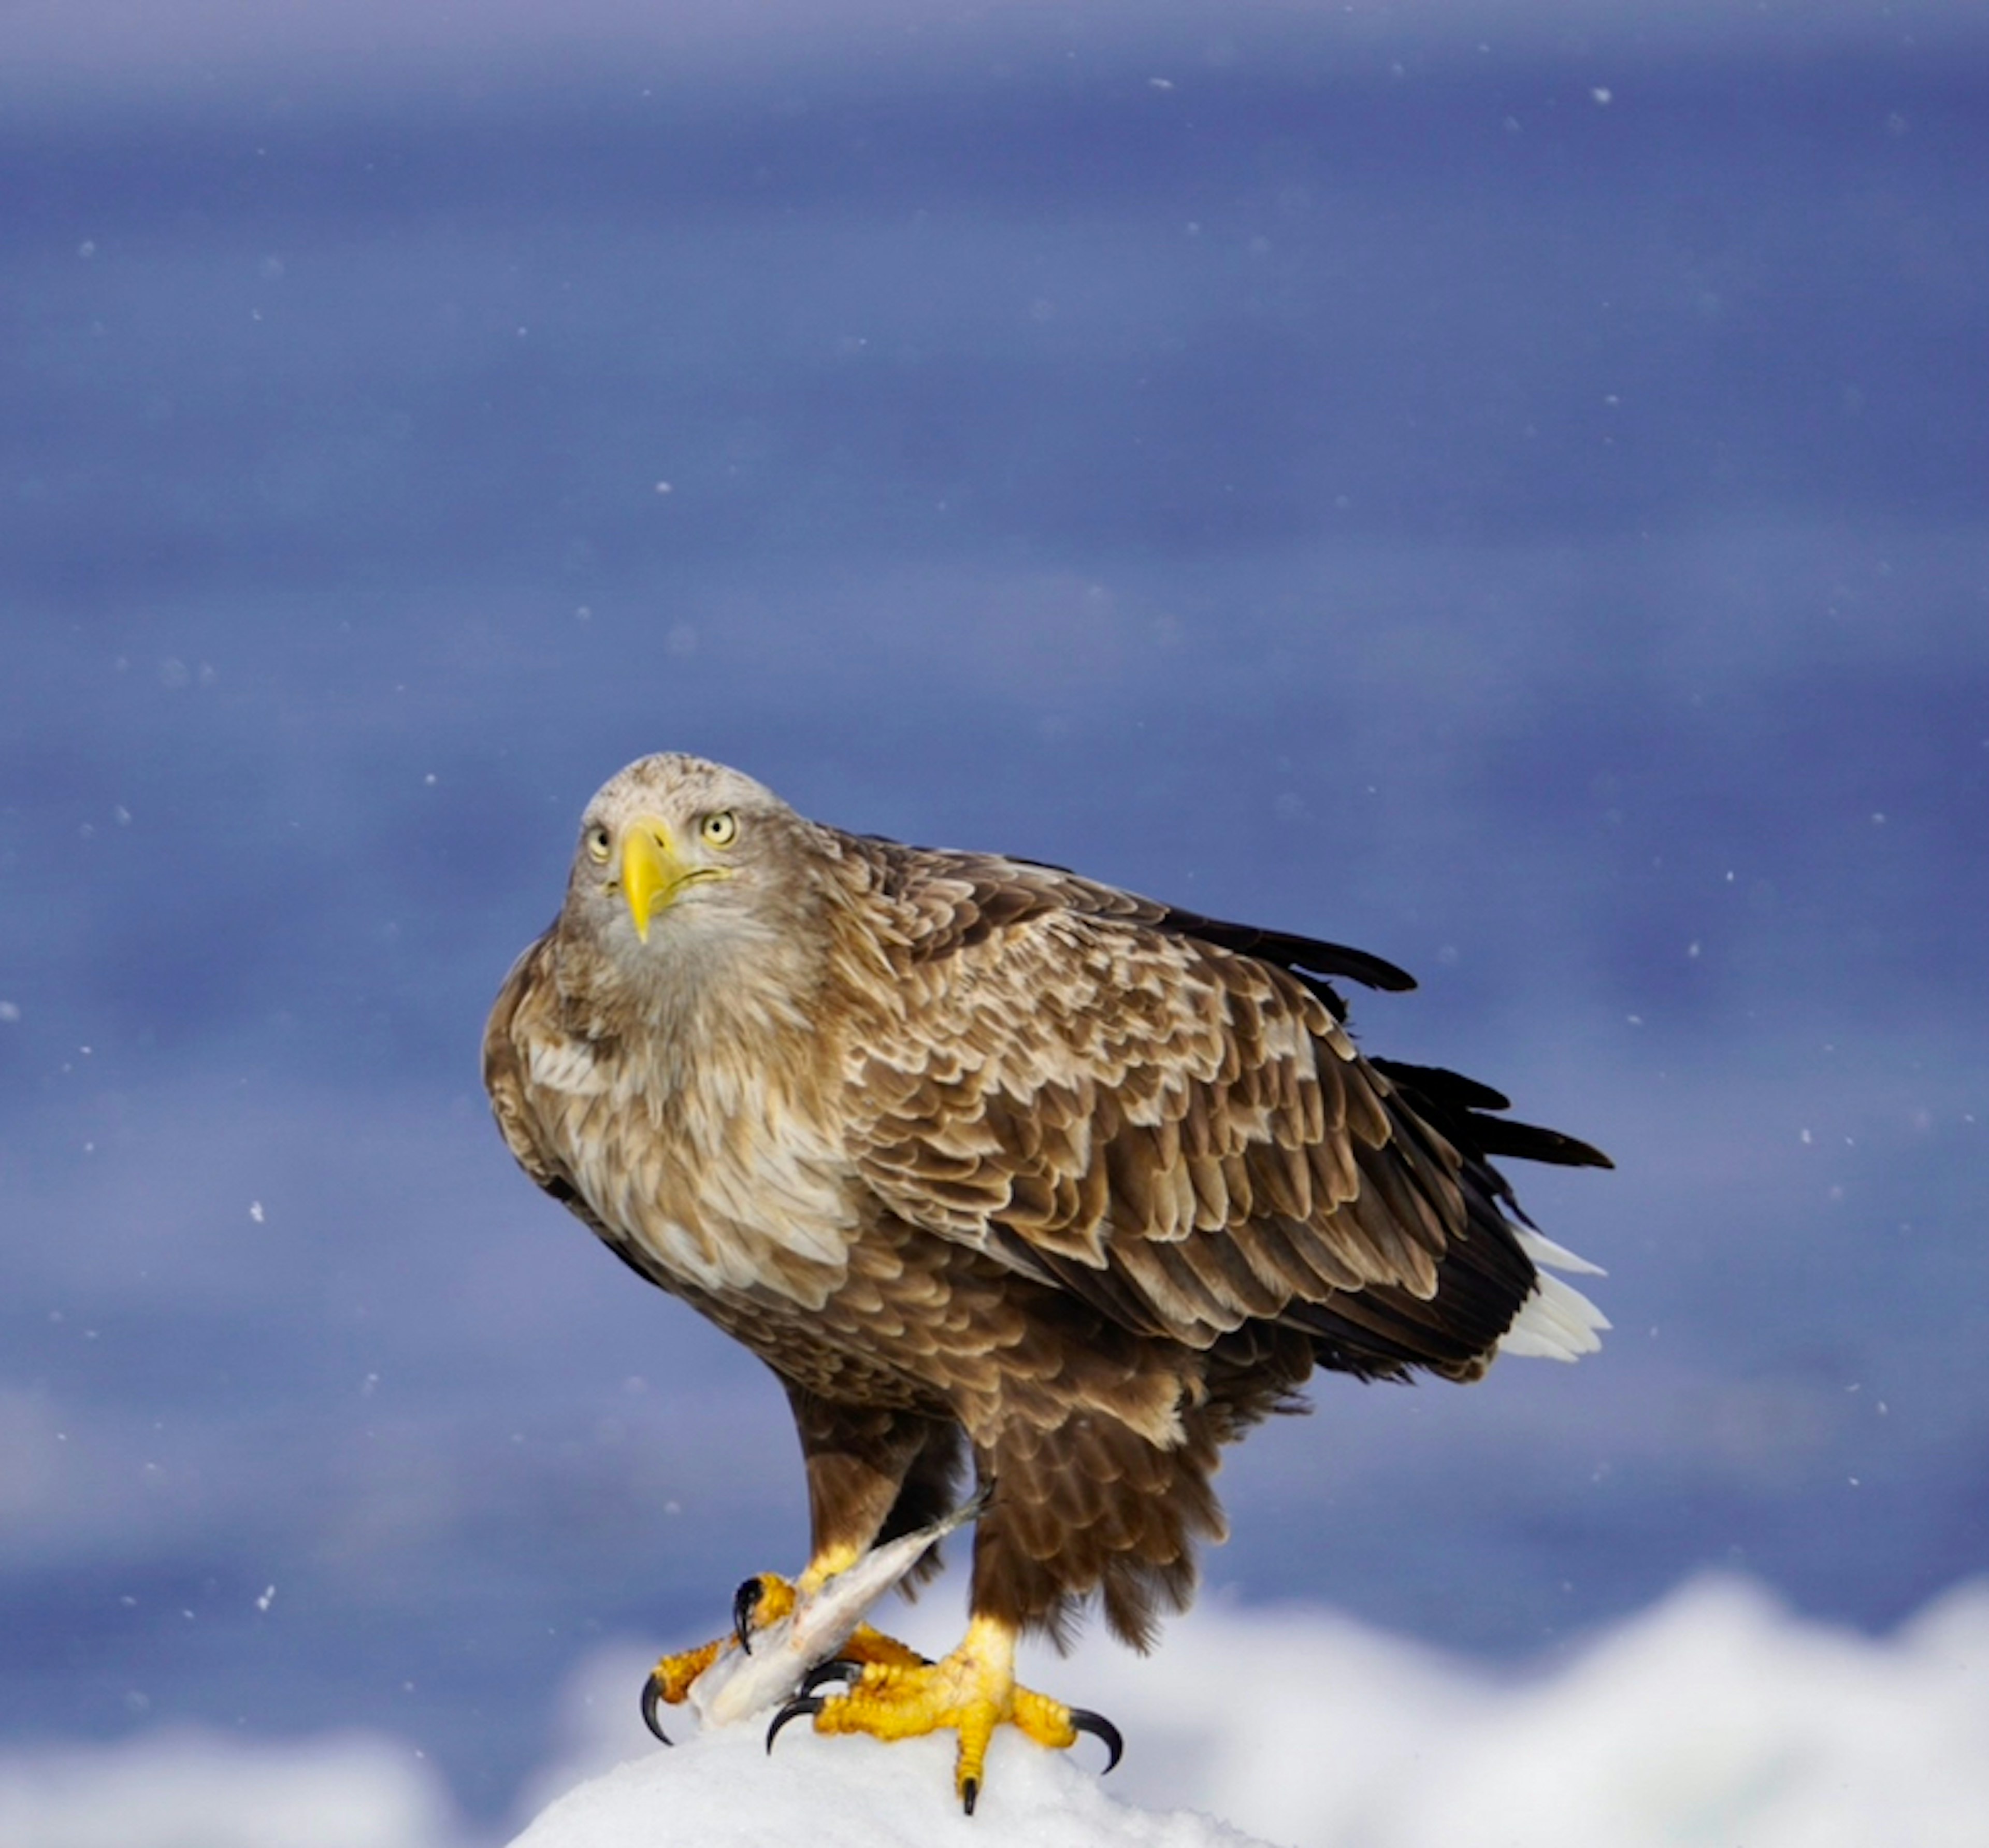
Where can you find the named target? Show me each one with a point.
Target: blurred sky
(1505, 487)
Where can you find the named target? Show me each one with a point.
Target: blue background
(1505, 489)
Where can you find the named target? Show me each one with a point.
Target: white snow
(1715, 1718)
(723, 1790)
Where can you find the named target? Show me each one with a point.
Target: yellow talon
(896, 1692)
(971, 1693)
(763, 1599)
(761, 1602)
(671, 1676)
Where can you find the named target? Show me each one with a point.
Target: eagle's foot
(971, 1693)
(768, 1599)
(761, 1601)
(669, 1680)
(776, 1611)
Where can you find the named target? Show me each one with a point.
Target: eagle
(999, 1167)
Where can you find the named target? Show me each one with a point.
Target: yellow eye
(719, 830)
(599, 846)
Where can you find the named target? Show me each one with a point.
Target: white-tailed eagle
(992, 1163)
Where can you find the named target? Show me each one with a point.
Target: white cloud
(186, 1789)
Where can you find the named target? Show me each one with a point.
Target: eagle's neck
(696, 1112)
(693, 1001)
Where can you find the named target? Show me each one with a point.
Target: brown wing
(1162, 1114)
(514, 1022)
(959, 898)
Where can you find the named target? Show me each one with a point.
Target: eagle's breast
(722, 1174)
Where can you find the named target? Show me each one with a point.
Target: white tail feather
(1544, 1250)
(1556, 1322)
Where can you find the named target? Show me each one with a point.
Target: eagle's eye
(719, 830)
(598, 843)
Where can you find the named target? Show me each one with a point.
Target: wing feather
(507, 1079)
(1163, 1114)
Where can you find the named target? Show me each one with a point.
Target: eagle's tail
(1556, 1321)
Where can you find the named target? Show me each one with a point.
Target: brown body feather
(981, 1157)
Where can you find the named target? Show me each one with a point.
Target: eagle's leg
(973, 1690)
(872, 1475)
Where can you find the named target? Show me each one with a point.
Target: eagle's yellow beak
(650, 871)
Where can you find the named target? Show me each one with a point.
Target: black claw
(652, 1698)
(1097, 1724)
(800, 1704)
(968, 1791)
(745, 1601)
(838, 1668)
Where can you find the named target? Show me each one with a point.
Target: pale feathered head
(684, 865)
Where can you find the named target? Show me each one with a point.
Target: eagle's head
(689, 873)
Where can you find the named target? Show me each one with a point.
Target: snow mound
(1716, 1717)
(722, 1789)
